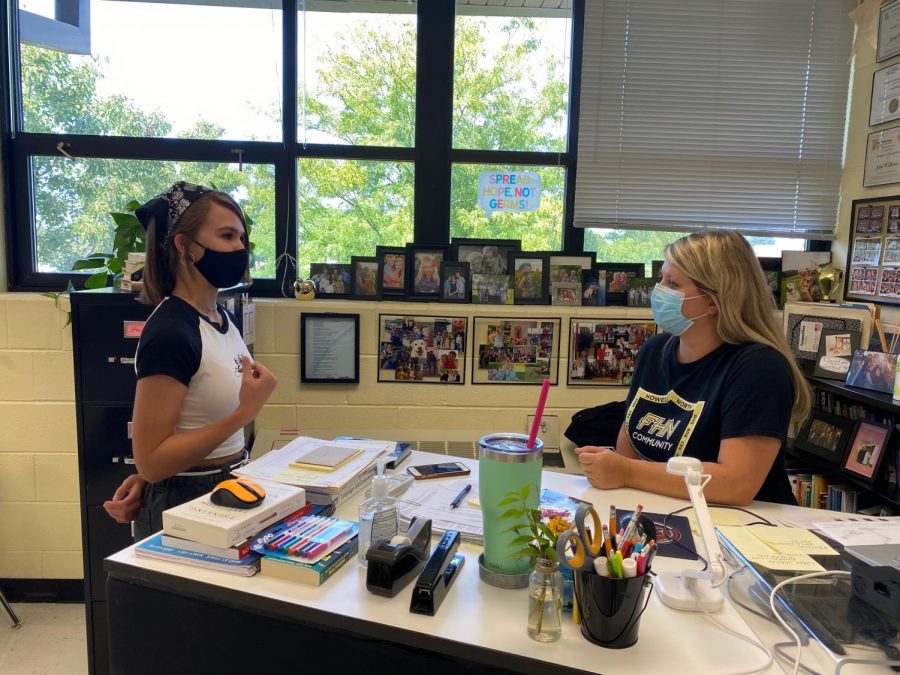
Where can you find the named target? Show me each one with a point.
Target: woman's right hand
(127, 500)
(257, 384)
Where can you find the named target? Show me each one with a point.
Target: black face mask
(222, 269)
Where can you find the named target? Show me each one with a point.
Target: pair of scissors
(577, 547)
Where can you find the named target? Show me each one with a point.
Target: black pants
(174, 491)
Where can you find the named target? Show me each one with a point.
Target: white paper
(275, 465)
(810, 332)
(432, 499)
(861, 532)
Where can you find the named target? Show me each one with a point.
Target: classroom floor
(51, 640)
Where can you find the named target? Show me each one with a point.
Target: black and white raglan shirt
(178, 341)
(689, 408)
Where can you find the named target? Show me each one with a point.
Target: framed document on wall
(888, 31)
(329, 348)
(882, 158)
(885, 105)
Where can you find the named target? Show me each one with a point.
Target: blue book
(314, 574)
(155, 549)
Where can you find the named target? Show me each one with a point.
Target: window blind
(713, 113)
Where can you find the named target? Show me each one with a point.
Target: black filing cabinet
(106, 327)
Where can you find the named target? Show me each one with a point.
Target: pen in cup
(462, 495)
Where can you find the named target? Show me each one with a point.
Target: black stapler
(392, 566)
(439, 574)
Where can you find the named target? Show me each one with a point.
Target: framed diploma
(882, 158)
(329, 348)
(888, 31)
(885, 106)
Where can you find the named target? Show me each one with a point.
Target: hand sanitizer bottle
(378, 517)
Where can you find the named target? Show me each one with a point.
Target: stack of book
(323, 484)
(216, 537)
(132, 274)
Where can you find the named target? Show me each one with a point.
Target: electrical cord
(784, 624)
(752, 641)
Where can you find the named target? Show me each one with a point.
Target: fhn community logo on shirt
(661, 424)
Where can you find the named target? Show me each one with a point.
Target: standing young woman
(719, 384)
(197, 387)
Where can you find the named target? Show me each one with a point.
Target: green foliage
(534, 539)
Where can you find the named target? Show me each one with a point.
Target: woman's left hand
(604, 467)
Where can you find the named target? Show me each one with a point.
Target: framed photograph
(492, 289)
(825, 436)
(515, 351)
(771, 268)
(873, 267)
(567, 269)
(566, 295)
(485, 256)
(422, 349)
(593, 288)
(617, 276)
(866, 450)
(872, 370)
(836, 348)
(331, 280)
(639, 290)
(365, 278)
(393, 275)
(888, 31)
(531, 277)
(423, 271)
(456, 285)
(329, 348)
(604, 351)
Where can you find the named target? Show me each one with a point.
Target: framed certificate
(888, 31)
(329, 348)
(885, 106)
(882, 158)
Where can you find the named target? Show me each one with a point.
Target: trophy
(831, 279)
(304, 289)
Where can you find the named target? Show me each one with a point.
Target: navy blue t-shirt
(689, 408)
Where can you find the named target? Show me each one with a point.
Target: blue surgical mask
(666, 304)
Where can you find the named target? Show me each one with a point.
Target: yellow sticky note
(719, 517)
(792, 540)
(758, 552)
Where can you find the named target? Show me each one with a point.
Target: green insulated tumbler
(506, 464)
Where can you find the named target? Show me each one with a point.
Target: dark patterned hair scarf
(168, 207)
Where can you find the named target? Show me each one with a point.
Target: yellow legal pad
(778, 548)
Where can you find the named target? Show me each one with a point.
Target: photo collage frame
(515, 351)
(874, 264)
(422, 349)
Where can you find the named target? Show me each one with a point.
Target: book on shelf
(155, 549)
(314, 574)
(202, 521)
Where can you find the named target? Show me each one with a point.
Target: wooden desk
(184, 619)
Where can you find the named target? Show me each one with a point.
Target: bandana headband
(168, 207)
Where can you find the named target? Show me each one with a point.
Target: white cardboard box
(202, 521)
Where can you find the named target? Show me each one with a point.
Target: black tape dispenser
(392, 566)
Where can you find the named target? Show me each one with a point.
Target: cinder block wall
(39, 513)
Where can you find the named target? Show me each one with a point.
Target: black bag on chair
(598, 425)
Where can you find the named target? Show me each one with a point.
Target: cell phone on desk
(442, 470)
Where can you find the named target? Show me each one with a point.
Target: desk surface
(487, 623)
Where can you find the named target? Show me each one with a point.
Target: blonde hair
(723, 266)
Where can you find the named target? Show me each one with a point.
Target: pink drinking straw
(538, 414)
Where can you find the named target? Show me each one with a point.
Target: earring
(181, 259)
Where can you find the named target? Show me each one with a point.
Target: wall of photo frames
(465, 369)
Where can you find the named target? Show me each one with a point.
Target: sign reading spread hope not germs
(517, 191)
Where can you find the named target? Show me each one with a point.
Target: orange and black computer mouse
(238, 493)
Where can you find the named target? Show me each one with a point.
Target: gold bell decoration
(831, 279)
(304, 289)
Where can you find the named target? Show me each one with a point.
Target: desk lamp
(695, 590)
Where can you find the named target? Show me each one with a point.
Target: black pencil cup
(611, 609)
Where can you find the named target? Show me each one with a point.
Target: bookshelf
(877, 407)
